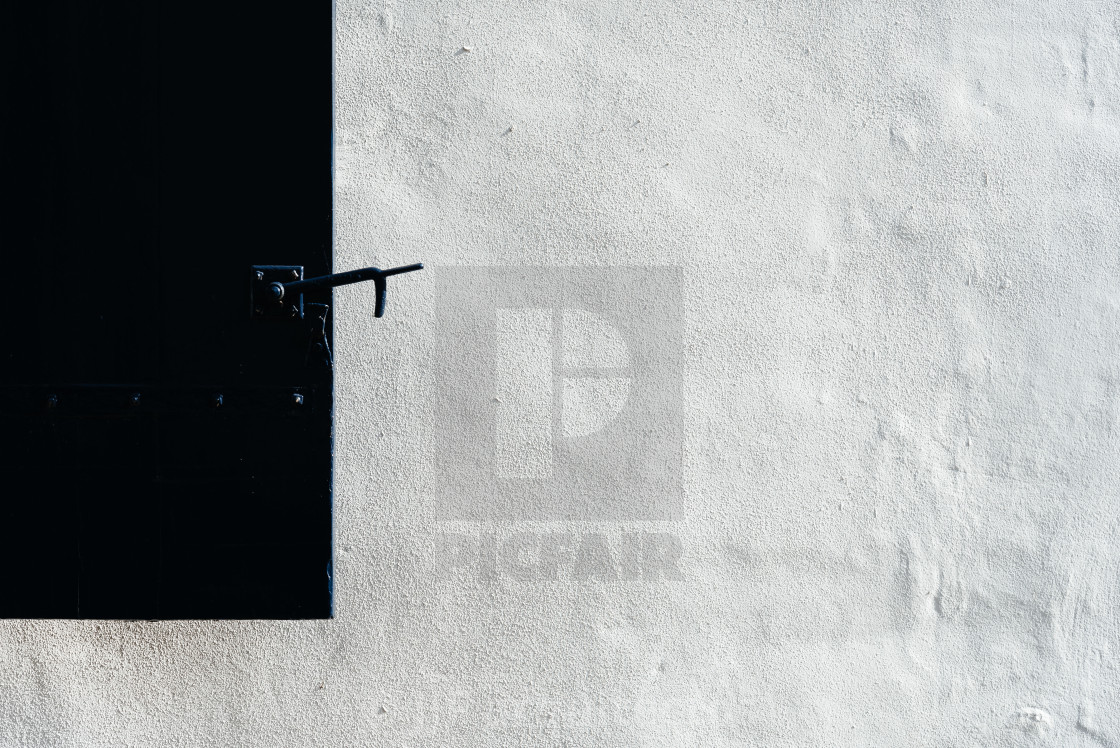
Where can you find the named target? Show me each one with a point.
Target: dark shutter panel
(162, 454)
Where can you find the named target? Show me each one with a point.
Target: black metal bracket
(265, 304)
(143, 400)
(276, 291)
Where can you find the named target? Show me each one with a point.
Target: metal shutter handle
(281, 295)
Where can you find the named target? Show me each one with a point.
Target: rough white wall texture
(862, 492)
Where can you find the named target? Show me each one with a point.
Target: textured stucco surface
(899, 235)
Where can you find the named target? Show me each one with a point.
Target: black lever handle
(292, 290)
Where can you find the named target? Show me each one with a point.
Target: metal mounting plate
(263, 304)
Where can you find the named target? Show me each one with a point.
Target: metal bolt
(295, 275)
(52, 401)
(260, 275)
(134, 400)
(217, 401)
(294, 311)
(297, 399)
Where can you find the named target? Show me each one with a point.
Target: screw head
(260, 275)
(294, 311)
(134, 400)
(217, 401)
(52, 401)
(297, 399)
(295, 275)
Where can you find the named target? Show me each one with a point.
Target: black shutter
(162, 453)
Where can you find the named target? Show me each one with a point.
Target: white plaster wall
(899, 226)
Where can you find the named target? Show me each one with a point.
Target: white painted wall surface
(899, 394)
